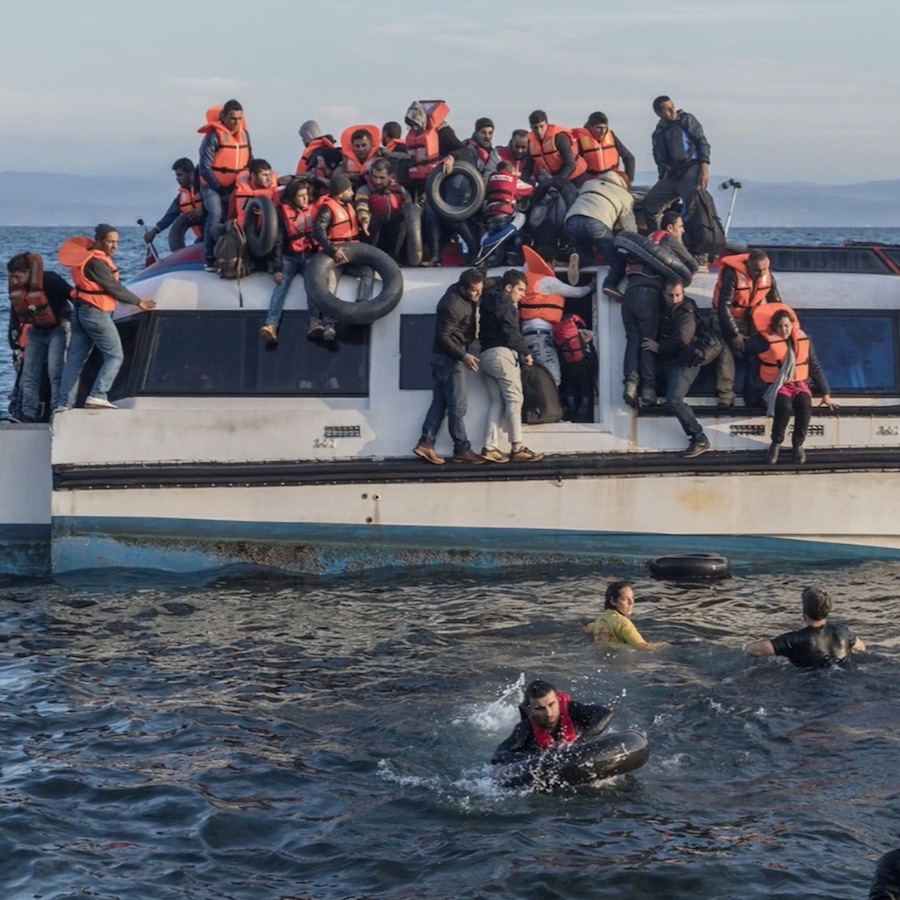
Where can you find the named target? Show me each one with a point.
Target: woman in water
(614, 625)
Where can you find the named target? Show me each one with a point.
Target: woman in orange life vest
(225, 152)
(39, 300)
(97, 289)
(187, 201)
(295, 245)
(785, 362)
(550, 717)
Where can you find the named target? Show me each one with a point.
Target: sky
(797, 90)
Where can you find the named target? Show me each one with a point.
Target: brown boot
(468, 456)
(428, 454)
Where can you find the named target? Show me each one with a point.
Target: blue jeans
(214, 223)
(679, 380)
(586, 235)
(448, 399)
(292, 266)
(46, 349)
(640, 315)
(91, 327)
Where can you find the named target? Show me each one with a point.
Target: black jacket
(683, 335)
(455, 326)
(672, 158)
(727, 323)
(500, 323)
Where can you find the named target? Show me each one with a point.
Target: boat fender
(322, 272)
(178, 232)
(261, 225)
(582, 762)
(690, 565)
(657, 256)
(475, 194)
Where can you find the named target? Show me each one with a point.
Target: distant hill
(32, 198)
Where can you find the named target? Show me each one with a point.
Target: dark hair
(537, 689)
(518, 133)
(381, 164)
(757, 255)
(184, 164)
(470, 278)
(231, 106)
(672, 282)
(483, 122)
(779, 316)
(258, 165)
(537, 116)
(358, 134)
(506, 166)
(612, 592)
(392, 130)
(596, 118)
(512, 277)
(669, 218)
(102, 230)
(18, 263)
(658, 102)
(816, 602)
(294, 187)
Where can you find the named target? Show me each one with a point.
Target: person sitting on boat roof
(603, 207)
(482, 153)
(502, 348)
(686, 343)
(550, 717)
(395, 148)
(39, 301)
(336, 225)
(187, 201)
(515, 152)
(744, 282)
(681, 154)
(327, 164)
(225, 152)
(360, 147)
(601, 150)
(552, 152)
(819, 644)
(315, 143)
(454, 332)
(97, 290)
(786, 362)
(614, 626)
(379, 207)
(640, 312)
(295, 245)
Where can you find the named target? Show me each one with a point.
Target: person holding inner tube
(187, 201)
(258, 181)
(614, 626)
(550, 718)
(818, 645)
(787, 362)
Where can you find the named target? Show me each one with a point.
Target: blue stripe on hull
(25, 550)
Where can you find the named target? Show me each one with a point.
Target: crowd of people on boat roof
(550, 193)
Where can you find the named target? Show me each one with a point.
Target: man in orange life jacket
(225, 152)
(187, 201)
(549, 718)
(315, 144)
(551, 152)
(601, 148)
(44, 306)
(379, 208)
(97, 289)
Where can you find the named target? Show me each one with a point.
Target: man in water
(549, 718)
(816, 646)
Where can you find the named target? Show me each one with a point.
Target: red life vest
(344, 226)
(567, 337)
(567, 732)
(232, 156)
(600, 156)
(424, 147)
(505, 155)
(243, 194)
(189, 200)
(311, 147)
(501, 194)
(747, 292)
(772, 358)
(547, 158)
(298, 228)
(29, 302)
(89, 291)
(352, 166)
(386, 204)
(535, 305)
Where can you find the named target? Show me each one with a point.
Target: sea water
(249, 735)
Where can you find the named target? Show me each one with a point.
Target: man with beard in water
(549, 718)
(817, 646)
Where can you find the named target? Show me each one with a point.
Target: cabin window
(187, 353)
(827, 259)
(416, 342)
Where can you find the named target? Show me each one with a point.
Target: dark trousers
(800, 406)
(682, 185)
(640, 315)
(448, 399)
(679, 380)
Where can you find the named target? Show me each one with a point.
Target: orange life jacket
(600, 156)
(424, 147)
(567, 732)
(567, 337)
(547, 158)
(29, 302)
(395, 145)
(352, 166)
(232, 156)
(534, 305)
(188, 201)
(298, 228)
(243, 194)
(344, 226)
(311, 147)
(772, 358)
(747, 292)
(86, 290)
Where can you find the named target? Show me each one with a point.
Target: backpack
(541, 404)
(232, 255)
(703, 231)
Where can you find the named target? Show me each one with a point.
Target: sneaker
(574, 270)
(799, 456)
(269, 333)
(329, 333)
(467, 456)
(428, 454)
(523, 454)
(772, 454)
(314, 330)
(98, 403)
(697, 447)
(612, 292)
(493, 455)
(725, 404)
(209, 265)
(648, 397)
(630, 395)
